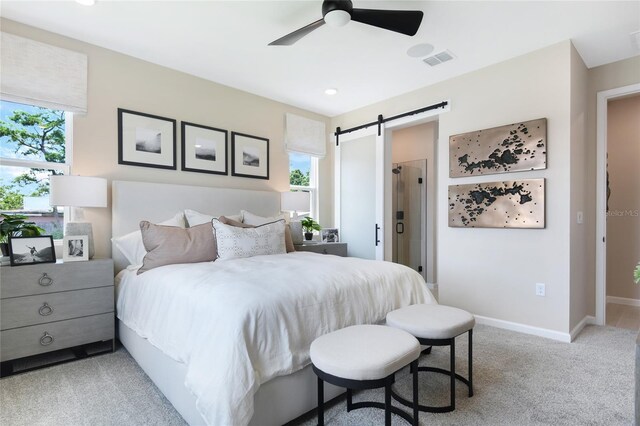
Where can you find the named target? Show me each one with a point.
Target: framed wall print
(31, 250)
(250, 156)
(204, 149)
(75, 248)
(146, 140)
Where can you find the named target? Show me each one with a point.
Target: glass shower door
(408, 187)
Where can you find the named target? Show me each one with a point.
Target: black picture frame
(190, 158)
(31, 250)
(248, 153)
(135, 144)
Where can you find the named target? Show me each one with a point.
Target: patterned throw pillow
(234, 242)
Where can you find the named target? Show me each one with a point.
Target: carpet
(518, 380)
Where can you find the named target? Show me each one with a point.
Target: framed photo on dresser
(31, 250)
(75, 248)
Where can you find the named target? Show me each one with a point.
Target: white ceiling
(226, 41)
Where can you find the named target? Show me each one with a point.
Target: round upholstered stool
(437, 325)
(365, 357)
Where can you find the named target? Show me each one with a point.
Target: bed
(227, 341)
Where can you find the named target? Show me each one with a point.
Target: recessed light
(198, 146)
(86, 2)
(420, 50)
(331, 91)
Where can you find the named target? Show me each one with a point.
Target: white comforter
(239, 323)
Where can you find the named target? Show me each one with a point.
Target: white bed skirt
(277, 402)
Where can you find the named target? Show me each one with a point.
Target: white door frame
(603, 98)
(384, 213)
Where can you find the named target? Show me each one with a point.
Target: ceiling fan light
(337, 18)
(86, 2)
(331, 91)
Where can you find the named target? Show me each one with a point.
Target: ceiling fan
(337, 13)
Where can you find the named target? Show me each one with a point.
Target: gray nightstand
(338, 249)
(53, 306)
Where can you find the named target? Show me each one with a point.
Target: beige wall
(582, 243)
(418, 143)
(120, 81)
(492, 272)
(623, 221)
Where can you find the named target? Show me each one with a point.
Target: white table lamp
(78, 192)
(298, 201)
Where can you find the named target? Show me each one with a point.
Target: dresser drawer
(337, 249)
(44, 308)
(54, 277)
(21, 342)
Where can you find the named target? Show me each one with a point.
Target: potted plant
(636, 274)
(15, 225)
(309, 225)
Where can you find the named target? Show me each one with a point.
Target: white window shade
(305, 136)
(39, 74)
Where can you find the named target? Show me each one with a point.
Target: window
(303, 176)
(33, 146)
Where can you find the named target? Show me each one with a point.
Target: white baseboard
(523, 328)
(623, 301)
(587, 320)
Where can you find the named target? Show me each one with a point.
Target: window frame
(65, 167)
(313, 184)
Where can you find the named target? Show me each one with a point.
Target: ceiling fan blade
(291, 38)
(401, 21)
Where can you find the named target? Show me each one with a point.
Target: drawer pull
(46, 339)
(45, 310)
(45, 280)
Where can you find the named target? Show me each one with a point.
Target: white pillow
(131, 245)
(234, 242)
(195, 218)
(255, 220)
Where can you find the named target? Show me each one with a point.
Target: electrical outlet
(540, 291)
(580, 218)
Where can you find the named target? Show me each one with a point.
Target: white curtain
(36, 73)
(305, 136)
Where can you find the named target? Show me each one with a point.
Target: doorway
(602, 213)
(623, 212)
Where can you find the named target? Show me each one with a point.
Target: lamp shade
(78, 191)
(298, 201)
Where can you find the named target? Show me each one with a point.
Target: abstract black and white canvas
(510, 148)
(146, 140)
(507, 204)
(250, 156)
(31, 250)
(204, 149)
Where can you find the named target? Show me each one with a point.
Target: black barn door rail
(381, 120)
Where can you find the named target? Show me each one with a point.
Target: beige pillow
(288, 240)
(168, 245)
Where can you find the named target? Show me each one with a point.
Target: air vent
(439, 58)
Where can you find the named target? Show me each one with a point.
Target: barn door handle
(377, 238)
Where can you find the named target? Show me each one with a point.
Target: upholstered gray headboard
(132, 202)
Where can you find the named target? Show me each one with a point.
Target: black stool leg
(349, 399)
(320, 402)
(453, 373)
(387, 404)
(470, 363)
(414, 368)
